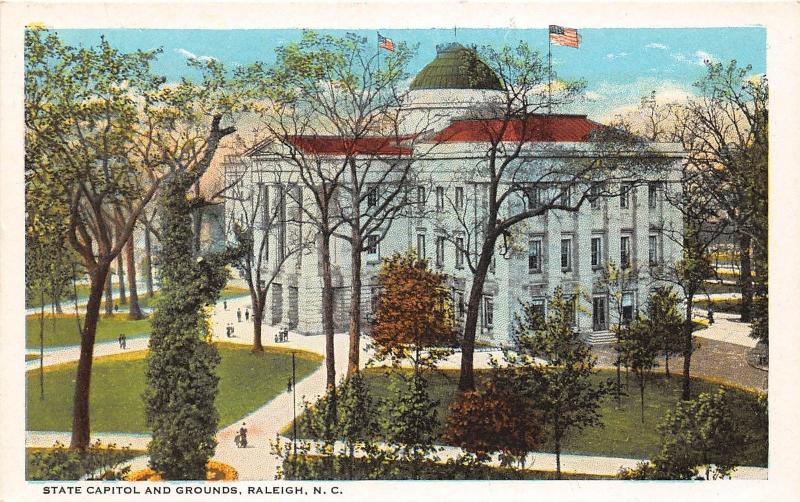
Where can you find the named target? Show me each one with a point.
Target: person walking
(124, 341)
(119, 340)
(239, 315)
(225, 305)
(246, 314)
(243, 436)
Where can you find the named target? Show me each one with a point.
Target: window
(597, 251)
(565, 195)
(535, 256)
(488, 311)
(594, 196)
(652, 194)
(652, 242)
(566, 255)
(372, 197)
(460, 307)
(539, 308)
(421, 245)
(439, 251)
(459, 197)
(627, 307)
(459, 252)
(599, 313)
(534, 196)
(625, 195)
(440, 199)
(374, 299)
(372, 244)
(625, 251)
(421, 200)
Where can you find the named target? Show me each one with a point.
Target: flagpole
(549, 73)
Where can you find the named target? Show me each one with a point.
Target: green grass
(729, 305)
(63, 329)
(226, 294)
(623, 434)
(247, 380)
(712, 287)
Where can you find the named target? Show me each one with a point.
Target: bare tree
(267, 234)
(515, 177)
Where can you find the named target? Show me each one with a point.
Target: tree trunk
(123, 299)
(641, 392)
(557, 433)
(41, 347)
(258, 315)
(134, 311)
(197, 220)
(355, 300)
(666, 363)
(466, 380)
(746, 278)
(80, 413)
(687, 348)
(327, 322)
(109, 295)
(148, 254)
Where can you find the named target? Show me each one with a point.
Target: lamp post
(294, 409)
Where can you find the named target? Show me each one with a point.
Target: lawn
(729, 305)
(62, 329)
(226, 294)
(623, 434)
(247, 380)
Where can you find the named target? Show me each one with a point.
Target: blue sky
(619, 65)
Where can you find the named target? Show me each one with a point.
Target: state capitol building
(631, 227)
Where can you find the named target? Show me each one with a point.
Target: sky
(619, 65)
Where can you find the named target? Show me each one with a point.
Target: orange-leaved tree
(414, 317)
(497, 418)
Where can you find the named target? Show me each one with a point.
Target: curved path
(264, 425)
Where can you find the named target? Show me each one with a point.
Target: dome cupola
(456, 67)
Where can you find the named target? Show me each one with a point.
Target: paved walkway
(71, 353)
(256, 462)
(726, 328)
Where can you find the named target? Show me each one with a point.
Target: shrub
(97, 462)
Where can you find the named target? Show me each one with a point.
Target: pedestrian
(246, 314)
(228, 331)
(225, 304)
(289, 385)
(239, 314)
(231, 329)
(119, 339)
(124, 341)
(710, 315)
(116, 308)
(243, 435)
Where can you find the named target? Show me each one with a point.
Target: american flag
(385, 43)
(564, 36)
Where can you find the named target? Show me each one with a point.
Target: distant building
(560, 248)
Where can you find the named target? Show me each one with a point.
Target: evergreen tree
(181, 378)
(562, 388)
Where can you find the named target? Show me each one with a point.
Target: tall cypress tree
(181, 378)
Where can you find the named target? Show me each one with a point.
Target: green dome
(456, 67)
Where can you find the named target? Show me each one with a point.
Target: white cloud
(593, 96)
(703, 57)
(699, 58)
(191, 55)
(655, 45)
(617, 55)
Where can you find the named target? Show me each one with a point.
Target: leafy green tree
(561, 388)
(665, 322)
(111, 132)
(181, 364)
(639, 350)
(619, 280)
(409, 421)
(696, 434)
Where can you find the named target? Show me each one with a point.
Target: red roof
(336, 145)
(540, 128)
